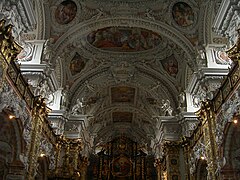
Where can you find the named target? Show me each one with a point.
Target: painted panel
(170, 65)
(65, 12)
(77, 64)
(124, 39)
(183, 14)
(123, 94)
(122, 117)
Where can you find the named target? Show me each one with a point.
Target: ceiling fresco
(122, 117)
(65, 12)
(170, 65)
(77, 64)
(122, 94)
(124, 39)
(183, 14)
(124, 57)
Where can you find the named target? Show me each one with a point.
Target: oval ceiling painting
(124, 39)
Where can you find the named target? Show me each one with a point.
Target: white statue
(48, 50)
(42, 89)
(78, 108)
(181, 101)
(64, 97)
(50, 100)
(166, 108)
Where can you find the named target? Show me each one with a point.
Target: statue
(78, 108)
(48, 50)
(182, 101)
(50, 99)
(64, 97)
(166, 108)
(42, 89)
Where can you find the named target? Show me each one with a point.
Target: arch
(201, 170)
(11, 144)
(231, 152)
(41, 172)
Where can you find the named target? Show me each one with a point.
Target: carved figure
(64, 97)
(78, 108)
(166, 108)
(182, 101)
(42, 89)
(48, 49)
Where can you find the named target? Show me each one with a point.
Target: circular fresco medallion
(183, 14)
(65, 12)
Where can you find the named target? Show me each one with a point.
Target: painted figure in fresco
(77, 64)
(183, 14)
(171, 66)
(65, 12)
(121, 167)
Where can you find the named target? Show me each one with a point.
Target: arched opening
(10, 147)
(201, 171)
(231, 152)
(42, 168)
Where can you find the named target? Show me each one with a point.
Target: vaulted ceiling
(122, 59)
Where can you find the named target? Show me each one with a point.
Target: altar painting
(121, 167)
